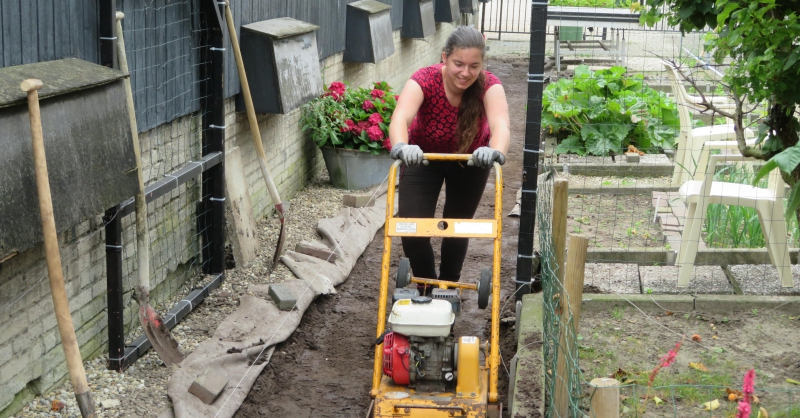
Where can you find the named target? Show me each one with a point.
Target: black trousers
(419, 191)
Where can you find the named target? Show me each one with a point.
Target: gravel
(142, 389)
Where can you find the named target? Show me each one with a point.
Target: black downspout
(212, 54)
(532, 154)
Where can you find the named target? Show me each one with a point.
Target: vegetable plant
(602, 112)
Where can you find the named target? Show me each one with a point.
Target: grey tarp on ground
(258, 322)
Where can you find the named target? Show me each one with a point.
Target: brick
(209, 384)
(316, 249)
(632, 157)
(361, 200)
(282, 296)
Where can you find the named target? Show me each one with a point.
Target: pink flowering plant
(351, 118)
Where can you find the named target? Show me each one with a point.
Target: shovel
(66, 330)
(164, 343)
(256, 133)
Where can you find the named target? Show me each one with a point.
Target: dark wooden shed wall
(162, 40)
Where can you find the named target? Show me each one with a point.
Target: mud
(325, 368)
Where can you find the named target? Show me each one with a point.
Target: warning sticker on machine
(469, 340)
(405, 227)
(473, 228)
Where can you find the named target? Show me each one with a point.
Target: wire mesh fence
(166, 45)
(657, 185)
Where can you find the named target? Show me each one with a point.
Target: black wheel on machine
(484, 288)
(403, 276)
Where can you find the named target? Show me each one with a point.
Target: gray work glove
(485, 157)
(409, 154)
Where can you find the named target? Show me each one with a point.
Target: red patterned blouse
(434, 128)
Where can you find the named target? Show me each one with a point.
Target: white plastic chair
(690, 141)
(768, 202)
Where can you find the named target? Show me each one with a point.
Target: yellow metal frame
(431, 228)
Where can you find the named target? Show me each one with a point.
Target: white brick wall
(30, 350)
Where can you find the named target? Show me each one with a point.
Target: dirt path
(325, 368)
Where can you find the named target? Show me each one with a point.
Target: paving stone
(208, 385)
(358, 200)
(679, 211)
(664, 209)
(632, 157)
(613, 277)
(669, 220)
(705, 280)
(282, 296)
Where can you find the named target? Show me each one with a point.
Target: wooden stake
(69, 342)
(570, 309)
(604, 395)
(560, 203)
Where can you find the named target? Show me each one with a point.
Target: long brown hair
(471, 108)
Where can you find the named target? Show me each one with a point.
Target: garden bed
(731, 342)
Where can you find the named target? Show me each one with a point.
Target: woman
(451, 107)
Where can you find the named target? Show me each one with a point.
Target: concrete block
(209, 384)
(316, 249)
(632, 157)
(358, 200)
(282, 296)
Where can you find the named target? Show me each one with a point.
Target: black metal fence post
(533, 130)
(113, 222)
(108, 40)
(213, 108)
(116, 321)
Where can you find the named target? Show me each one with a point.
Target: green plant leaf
(572, 144)
(787, 160)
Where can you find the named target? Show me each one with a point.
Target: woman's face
(462, 67)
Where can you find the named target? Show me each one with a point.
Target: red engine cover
(396, 357)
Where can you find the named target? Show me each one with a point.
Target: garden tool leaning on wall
(153, 326)
(256, 133)
(66, 329)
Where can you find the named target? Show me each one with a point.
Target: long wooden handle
(57, 289)
(142, 228)
(251, 113)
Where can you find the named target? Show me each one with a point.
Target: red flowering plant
(351, 118)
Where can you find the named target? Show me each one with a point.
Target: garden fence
(621, 123)
(174, 51)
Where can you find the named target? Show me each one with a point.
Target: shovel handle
(251, 113)
(54, 271)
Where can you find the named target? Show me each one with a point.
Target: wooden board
(239, 210)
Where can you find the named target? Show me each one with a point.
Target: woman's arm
(494, 101)
(407, 106)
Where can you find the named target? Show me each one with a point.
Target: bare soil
(325, 368)
(728, 345)
(614, 221)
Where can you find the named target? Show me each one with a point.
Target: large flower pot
(355, 170)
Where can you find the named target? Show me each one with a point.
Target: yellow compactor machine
(421, 369)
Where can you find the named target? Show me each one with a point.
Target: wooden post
(570, 302)
(604, 395)
(560, 196)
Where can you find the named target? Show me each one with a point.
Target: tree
(760, 40)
